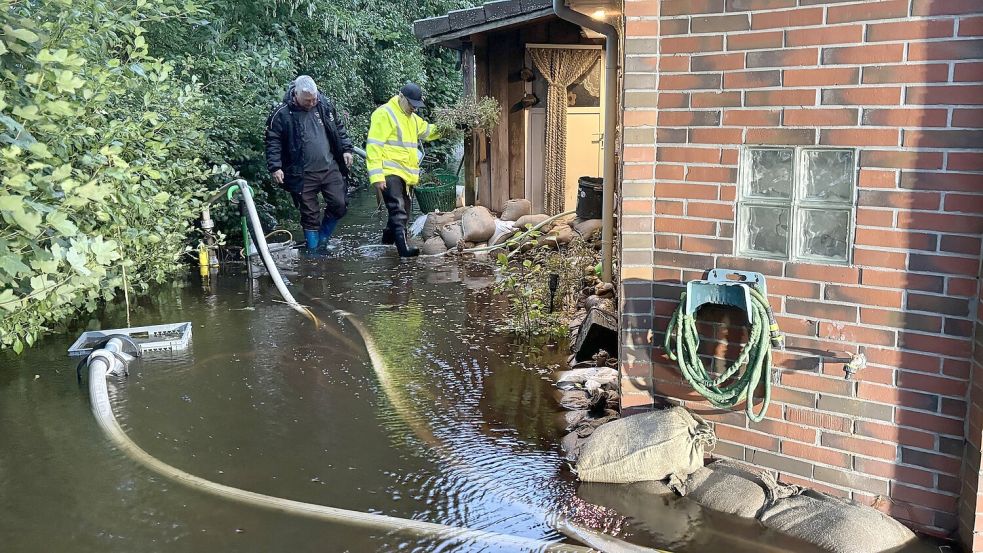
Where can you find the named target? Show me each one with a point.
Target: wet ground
(265, 402)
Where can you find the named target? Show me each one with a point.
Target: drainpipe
(610, 124)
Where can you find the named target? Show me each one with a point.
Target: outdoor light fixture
(599, 14)
(554, 284)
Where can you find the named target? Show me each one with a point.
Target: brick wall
(901, 81)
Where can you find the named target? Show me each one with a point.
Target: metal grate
(167, 337)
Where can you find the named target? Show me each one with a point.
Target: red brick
(870, 178)
(902, 200)
(965, 162)
(667, 100)
(816, 383)
(752, 79)
(794, 288)
(720, 23)
(871, 53)
(722, 211)
(669, 172)
(782, 58)
(639, 28)
(932, 384)
(945, 50)
(902, 280)
(688, 44)
(689, 118)
(935, 344)
(962, 118)
(908, 73)
(787, 18)
(685, 191)
(822, 77)
(900, 117)
(878, 258)
(859, 137)
(646, 153)
(948, 182)
(638, 172)
(780, 98)
(944, 95)
(741, 436)
(968, 245)
(667, 207)
(817, 454)
(875, 218)
(924, 498)
(752, 117)
(664, 135)
(711, 174)
(971, 26)
(909, 30)
(640, 118)
(667, 242)
(893, 395)
(780, 136)
(895, 471)
(841, 34)
(689, 81)
(863, 295)
(868, 95)
(953, 139)
(857, 335)
(756, 5)
(706, 245)
(860, 446)
(901, 319)
(785, 430)
(961, 287)
(821, 310)
(944, 264)
(755, 41)
(941, 222)
(891, 433)
(823, 273)
(948, 7)
(901, 160)
(715, 99)
(673, 64)
(688, 155)
(717, 62)
(687, 7)
(715, 136)
(866, 11)
(641, 9)
(819, 117)
(910, 360)
(818, 419)
(968, 72)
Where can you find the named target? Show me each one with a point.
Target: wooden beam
(481, 88)
(498, 80)
(467, 74)
(517, 128)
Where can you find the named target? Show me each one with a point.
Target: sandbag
(587, 229)
(515, 209)
(459, 212)
(435, 221)
(648, 446)
(590, 378)
(532, 220)
(433, 246)
(572, 444)
(836, 525)
(451, 234)
(478, 224)
(728, 488)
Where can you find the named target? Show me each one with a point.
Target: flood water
(263, 401)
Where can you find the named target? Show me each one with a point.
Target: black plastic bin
(590, 197)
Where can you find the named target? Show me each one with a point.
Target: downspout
(610, 124)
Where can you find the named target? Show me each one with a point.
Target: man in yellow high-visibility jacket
(393, 158)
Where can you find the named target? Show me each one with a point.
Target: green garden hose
(682, 344)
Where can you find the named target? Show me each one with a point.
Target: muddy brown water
(265, 402)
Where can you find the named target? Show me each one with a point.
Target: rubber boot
(404, 249)
(328, 225)
(313, 238)
(388, 238)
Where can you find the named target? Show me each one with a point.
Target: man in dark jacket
(308, 152)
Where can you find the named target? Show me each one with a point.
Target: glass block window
(797, 204)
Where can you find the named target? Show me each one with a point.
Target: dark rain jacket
(285, 148)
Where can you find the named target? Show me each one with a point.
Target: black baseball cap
(413, 94)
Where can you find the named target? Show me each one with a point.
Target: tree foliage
(99, 146)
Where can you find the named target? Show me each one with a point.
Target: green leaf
(13, 266)
(77, 260)
(161, 197)
(8, 300)
(18, 346)
(59, 221)
(21, 34)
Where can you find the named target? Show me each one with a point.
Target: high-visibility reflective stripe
(375, 172)
(426, 131)
(399, 131)
(376, 142)
(396, 143)
(394, 165)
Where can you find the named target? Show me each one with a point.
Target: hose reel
(742, 290)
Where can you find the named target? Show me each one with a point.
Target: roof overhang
(452, 29)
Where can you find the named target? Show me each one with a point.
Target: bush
(99, 146)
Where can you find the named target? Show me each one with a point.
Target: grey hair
(304, 84)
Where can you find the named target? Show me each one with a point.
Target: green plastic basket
(440, 197)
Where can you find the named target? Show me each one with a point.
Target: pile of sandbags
(589, 393)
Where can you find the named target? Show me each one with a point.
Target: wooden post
(467, 74)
